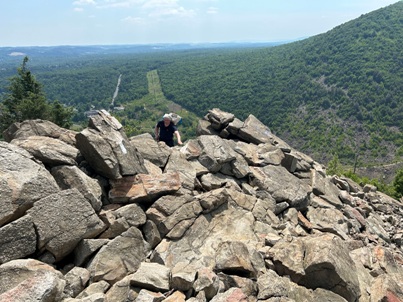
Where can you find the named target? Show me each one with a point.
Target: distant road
(115, 94)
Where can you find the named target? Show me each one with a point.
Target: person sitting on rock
(165, 130)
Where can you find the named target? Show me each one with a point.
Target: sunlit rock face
(235, 214)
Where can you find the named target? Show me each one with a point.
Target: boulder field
(233, 215)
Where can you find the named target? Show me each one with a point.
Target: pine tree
(26, 100)
(61, 115)
(334, 167)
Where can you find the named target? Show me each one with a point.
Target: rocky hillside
(234, 215)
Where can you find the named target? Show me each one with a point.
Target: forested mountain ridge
(336, 93)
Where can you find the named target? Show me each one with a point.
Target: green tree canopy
(398, 184)
(26, 100)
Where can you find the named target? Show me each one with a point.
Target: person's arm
(178, 137)
(156, 131)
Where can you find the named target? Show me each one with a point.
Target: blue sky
(106, 22)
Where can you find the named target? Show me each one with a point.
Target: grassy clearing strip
(154, 86)
(141, 115)
(156, 94)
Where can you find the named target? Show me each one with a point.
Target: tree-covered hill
(338, 93)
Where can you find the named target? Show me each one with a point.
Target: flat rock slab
(144, 187)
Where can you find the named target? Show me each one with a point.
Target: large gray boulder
(120, 257)
(50, 151)
(95, 290)
(121, 219)
(17, 239)
(62, 219)
(39, 128)
(76, 281)
(270, 155)
(225, 221)
(275, 288)
(282, 185)
(87, 248)
(219, 119)
(232, 294)
(212, 181)
(288, 258)
(152, 276)
(122, 291)
(22, 182)
(143, 187)
(170, 213)
(234, 257)
(187, 173)
(133, 214)
(327, 190)
(254, 131)
(329, 220)
(151, 150)
(107, 149)
(68, 177)
(230, 216)
(207, 282)
(237, 167)
(247, 285)
(183, 276)
(30, 280)
(216, 152)
(204, 127)
(375, 226)
(328, 265)
(387, 288)
(318, 262)
(176, 224)
(248, 151)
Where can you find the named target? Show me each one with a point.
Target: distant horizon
(158, 43)
(47, 23)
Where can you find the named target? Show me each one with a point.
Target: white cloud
(84, 2)
(212, 10)
(119, 3)
(151, 8)
(160, 3)
(166, 8)
(133, 20)
(109, 3)
(171, 11)
(78, 9)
